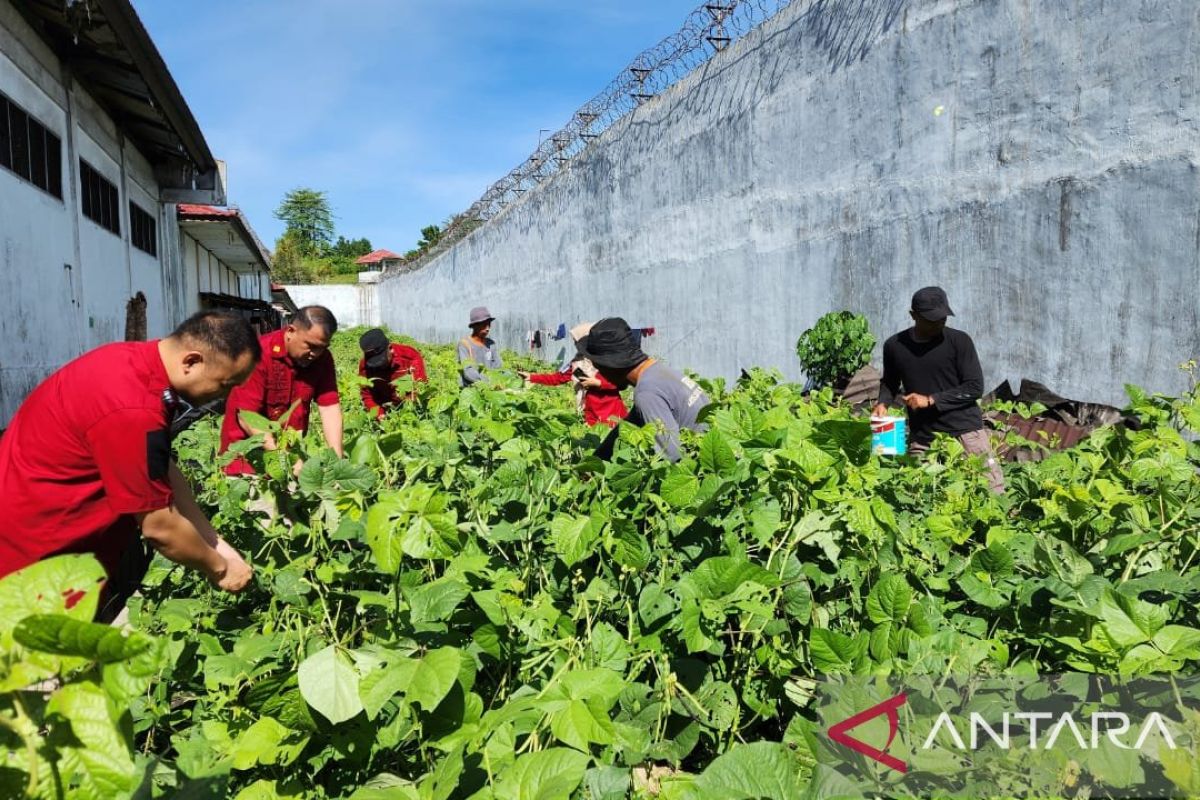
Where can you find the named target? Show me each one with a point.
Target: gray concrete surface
(351, 304)
(1038, 160)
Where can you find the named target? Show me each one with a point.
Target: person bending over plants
(597, 398)
(86, 466)
(660, 394)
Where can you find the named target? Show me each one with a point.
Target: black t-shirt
(946, 368)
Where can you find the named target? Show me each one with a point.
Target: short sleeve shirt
(274, 385)
(405, 361)
(89, 446)
(664, 395)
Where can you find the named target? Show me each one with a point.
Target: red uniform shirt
(86, 450)
(271, 389)
(600, 405)
(381, 392)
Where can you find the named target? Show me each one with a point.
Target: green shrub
(836, 347)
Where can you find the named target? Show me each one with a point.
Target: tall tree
(309, 219)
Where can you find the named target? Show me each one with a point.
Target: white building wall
(64, 280)
(105, 262)
(180, 297)
(203, 271)
(351, 304)
(146, 271)
(255, 285)
(39, 270)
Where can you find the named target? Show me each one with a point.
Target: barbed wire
(708, 30)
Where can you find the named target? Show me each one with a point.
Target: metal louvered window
(101, 203)
(143, 230)
(29, 149)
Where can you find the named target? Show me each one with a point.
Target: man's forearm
(888, 391)
(268, 437)
(964, 395)
(331, 424)
(171, 533)
(186, 505)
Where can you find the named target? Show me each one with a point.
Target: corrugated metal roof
(109, 51)
(1046, 434)
(196, 211)
(227, 234)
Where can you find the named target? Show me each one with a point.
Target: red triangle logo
(839, 732)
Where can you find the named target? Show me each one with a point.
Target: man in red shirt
(296, 368)
(86, 463)
(382, 363)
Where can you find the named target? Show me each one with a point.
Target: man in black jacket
(939, 372)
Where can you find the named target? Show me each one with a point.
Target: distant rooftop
(377, 256)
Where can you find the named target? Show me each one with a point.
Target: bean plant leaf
(679, 488)
(983, 592)
(436, 601)
(835, 652)
(600, 686)
(61, 635)
(325, 473)
(579, 725)
(754, 771)
(384, 536)
(551, 774)
(68, 584)
(1127, 621)
(258, 744)
(434, 676)
(716, 455)
(889, 600)
(257, 422)
(721, 575)
(381, 685)
(329, 683)
(101, 754)
(573, 538)
(607, 783)
(654, 604)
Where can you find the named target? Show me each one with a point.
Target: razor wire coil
(707, 31)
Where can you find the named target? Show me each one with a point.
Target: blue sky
(402, 111)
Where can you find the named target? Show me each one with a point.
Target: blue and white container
(889, 436)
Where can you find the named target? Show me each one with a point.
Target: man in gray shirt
(660, 395)
(477, 352)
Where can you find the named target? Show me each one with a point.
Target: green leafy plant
(472, 606)
(66, 685)
(835, 348)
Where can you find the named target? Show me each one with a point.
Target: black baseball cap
(610, 344)
(375, 347)
(931, 304)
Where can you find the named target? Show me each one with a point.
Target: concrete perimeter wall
(351, 304)
(1037, 159)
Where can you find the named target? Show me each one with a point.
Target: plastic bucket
(889, 436)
